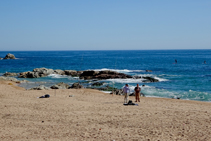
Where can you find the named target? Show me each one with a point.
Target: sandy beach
(94, 115)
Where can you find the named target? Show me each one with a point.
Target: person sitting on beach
(126, 92)
(137, 93)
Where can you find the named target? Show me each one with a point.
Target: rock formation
(90, 74)
(8, 74)
(9, 56)
(60, 85)
(36, 73)
(76, 86)
(41, 87)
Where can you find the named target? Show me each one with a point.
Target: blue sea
(189, 78)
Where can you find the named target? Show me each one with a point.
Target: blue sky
(104, 24)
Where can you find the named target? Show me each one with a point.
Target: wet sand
(94, 115)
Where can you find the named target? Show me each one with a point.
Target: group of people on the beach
(126, 91)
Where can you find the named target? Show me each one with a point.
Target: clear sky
(104, 24)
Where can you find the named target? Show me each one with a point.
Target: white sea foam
(121, 71)
(161, 79)
(130, 80)
(58, 76)
(153, 76)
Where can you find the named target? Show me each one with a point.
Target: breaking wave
(121, 71)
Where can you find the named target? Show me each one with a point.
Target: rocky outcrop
(150, 79)
(9, 56)
(73, 72)
(60, 72)
(36, 73)
(8, 74)
(98, 83)
(76, 86)
(42, 72)
(60, 85)
(90, 74)
(147, 79)
(86, 75)
(41, 87)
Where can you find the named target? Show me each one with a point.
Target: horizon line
(107, 50)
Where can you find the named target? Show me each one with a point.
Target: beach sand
(94, 115)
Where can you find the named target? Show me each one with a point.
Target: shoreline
(94, 115)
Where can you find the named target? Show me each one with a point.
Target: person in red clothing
(137, 93)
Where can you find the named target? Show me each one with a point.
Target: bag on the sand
(45, 96)
(130, 102)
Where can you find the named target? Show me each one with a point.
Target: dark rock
(89, 73)
(41, 87)
(60, 85)
(72, 72)
(98, 83)
(76, 86)
(148, 71)
(9, 56)
(55, 87)
(103, 75)
(10, 74)
(150, 79)
(136, 77)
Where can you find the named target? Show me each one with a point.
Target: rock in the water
(91, 74)
(98, 83)
(43, 71)
(41, 87)
(29, 74)
(76, 86)
(148, 71)
(60, 85)
(9, 56)
(150, 79)
(71, 72)
(10, 74)
(61, 72)
(36, 73)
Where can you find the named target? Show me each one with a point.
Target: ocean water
(189, 78)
